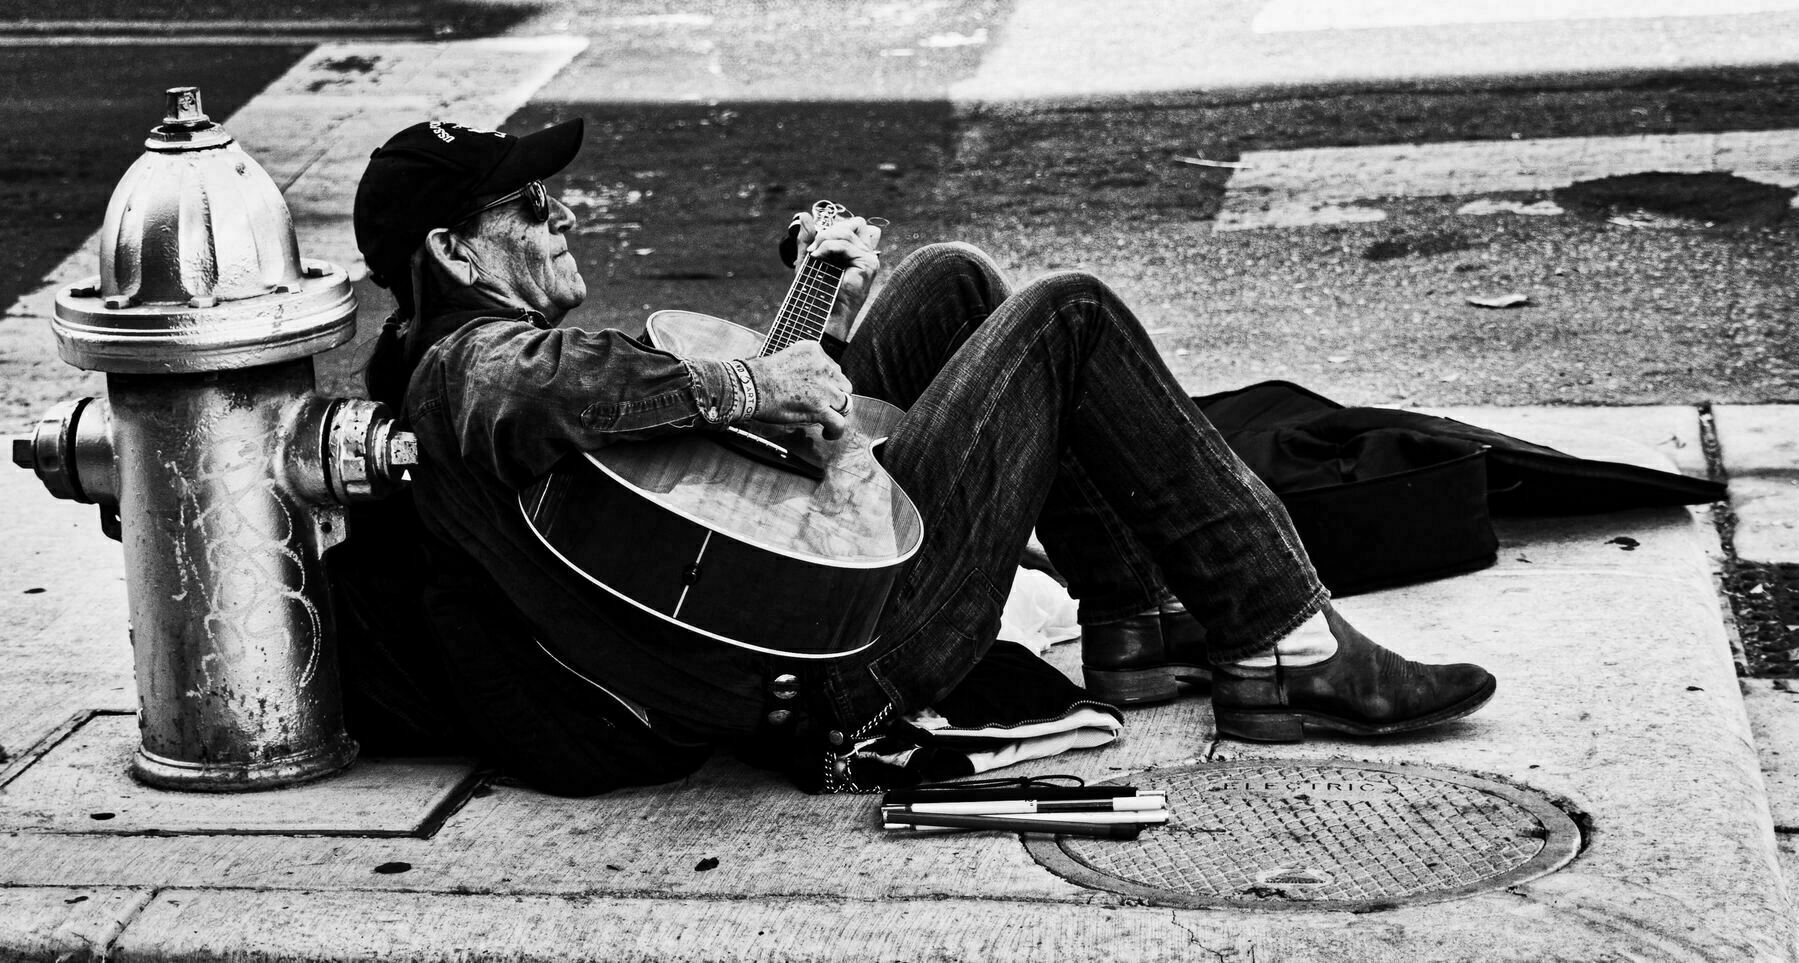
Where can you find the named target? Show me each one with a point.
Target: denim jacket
(517, 395)
(501, 400)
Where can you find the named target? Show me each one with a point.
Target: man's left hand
(854, 245)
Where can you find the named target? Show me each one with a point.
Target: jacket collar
(420, 337)
(457, 320)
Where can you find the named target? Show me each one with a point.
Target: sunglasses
(533, 192)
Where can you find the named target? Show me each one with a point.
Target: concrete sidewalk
(1617, 696)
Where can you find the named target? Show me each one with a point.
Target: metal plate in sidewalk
(1335, 835)
(78, 781)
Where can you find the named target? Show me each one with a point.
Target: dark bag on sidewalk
(1384, 497)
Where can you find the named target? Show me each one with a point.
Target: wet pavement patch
(1329, 836)
(1670, 200)
(1421, 244)
(350, 69)
(352, 65)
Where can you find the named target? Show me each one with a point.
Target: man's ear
(448, 251)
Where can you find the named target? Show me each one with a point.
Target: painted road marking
(1157, 51)
(1295, 188)
(1288, 16)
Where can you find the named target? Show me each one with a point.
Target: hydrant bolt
(402, 453)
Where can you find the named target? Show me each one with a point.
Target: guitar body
(729, 547)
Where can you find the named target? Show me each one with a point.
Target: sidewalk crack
(1724, 522)
(104, 952)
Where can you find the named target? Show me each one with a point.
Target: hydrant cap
(199, 266)
(195, 218)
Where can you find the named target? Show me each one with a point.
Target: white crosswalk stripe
(1055, 49)
(1285, 16)
(1336, 185)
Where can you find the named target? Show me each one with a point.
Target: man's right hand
(800, 384)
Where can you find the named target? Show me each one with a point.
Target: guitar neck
(807, 308)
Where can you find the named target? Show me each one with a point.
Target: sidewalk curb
(72, 923)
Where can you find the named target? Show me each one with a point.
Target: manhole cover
(1332, 836)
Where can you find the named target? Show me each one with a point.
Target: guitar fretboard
(807, 308)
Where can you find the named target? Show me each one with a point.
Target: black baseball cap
(433, 174)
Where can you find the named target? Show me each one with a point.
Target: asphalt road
(434, 17)
(77, 118)
(682, 202)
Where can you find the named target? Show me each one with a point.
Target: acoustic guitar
(767, 537)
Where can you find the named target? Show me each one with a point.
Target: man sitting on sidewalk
(1047, 407)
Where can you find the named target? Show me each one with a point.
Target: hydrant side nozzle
(71, 452)
(366, 457)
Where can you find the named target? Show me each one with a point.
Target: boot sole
(1289, 725)
(1135, 687)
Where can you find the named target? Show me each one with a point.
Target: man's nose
(562, 217)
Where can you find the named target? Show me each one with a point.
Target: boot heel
(1260, 726)
(1131, 687)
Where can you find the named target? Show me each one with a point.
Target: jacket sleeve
(518, 398)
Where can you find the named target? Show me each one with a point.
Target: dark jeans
(1050, 407)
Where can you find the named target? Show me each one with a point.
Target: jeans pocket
(934, 655)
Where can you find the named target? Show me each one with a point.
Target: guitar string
(806, 312)
(811, 289)
(818, 298)
(800, 315)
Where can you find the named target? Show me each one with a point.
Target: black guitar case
(1383, 497)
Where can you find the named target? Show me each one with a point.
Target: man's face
(529, 263)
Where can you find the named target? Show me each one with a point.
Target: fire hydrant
(215, 461)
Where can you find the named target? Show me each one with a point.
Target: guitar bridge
(760, 449)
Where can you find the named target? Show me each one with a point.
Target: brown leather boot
(1144, 658)
(1363, 690)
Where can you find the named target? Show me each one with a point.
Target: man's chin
(572, 299)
